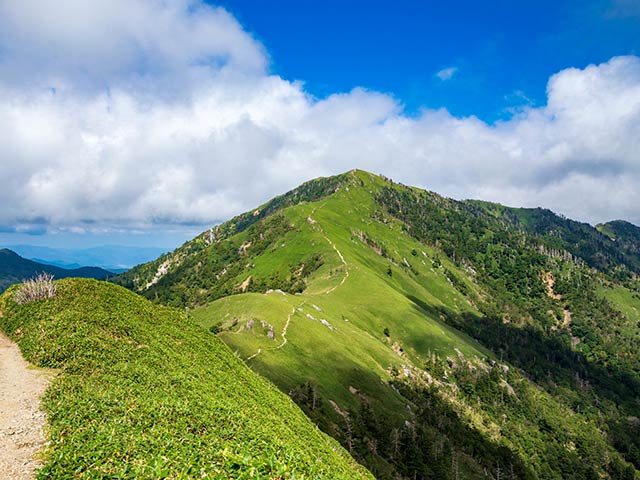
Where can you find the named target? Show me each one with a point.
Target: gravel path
(21, 420)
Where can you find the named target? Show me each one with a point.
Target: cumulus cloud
(447, 73)
(148, 45)
(134, 114)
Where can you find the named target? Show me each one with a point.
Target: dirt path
(550, 282)
(286, 327)
(21, 420)
(283, 334)
(344, 262)
(254, 355)
(316, 226)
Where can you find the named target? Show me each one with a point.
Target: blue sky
(503, 52)
(146, 122)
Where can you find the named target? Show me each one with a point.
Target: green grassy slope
(349, 358)
(143, 392)
(357, 298)
(366, 302)
(628, 303)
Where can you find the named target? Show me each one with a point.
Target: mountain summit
(433, 338)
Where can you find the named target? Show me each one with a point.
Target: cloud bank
(141, 113)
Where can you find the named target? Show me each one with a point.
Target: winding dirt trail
(344, 262)
(286, 327)
(21, 420)
(283, 334)
(254, 355)
(317, 227)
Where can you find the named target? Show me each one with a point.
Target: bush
(35, 289)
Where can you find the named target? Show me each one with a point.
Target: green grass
(389, 304)
(628, 325)
(624, 300)
(356, 352)
(144, 392)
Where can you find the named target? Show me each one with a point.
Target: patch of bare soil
(550, 282)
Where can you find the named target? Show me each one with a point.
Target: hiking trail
(21, 420)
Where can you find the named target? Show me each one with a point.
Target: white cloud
(447, 73)
(147, 46)
(163, 113)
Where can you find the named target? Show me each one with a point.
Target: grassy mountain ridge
(143, 392)
(433, 338)
(14, 269)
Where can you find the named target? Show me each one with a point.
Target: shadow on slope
(583, 386)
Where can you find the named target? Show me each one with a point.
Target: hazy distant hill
(15, 269)
(115, 258)
(434, 338)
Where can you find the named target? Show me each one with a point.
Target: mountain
(143, 392)
(433, 338)
(626, 235)
(15, 269)
(115, 258)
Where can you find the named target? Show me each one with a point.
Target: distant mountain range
(15, 269)
(115, 258)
